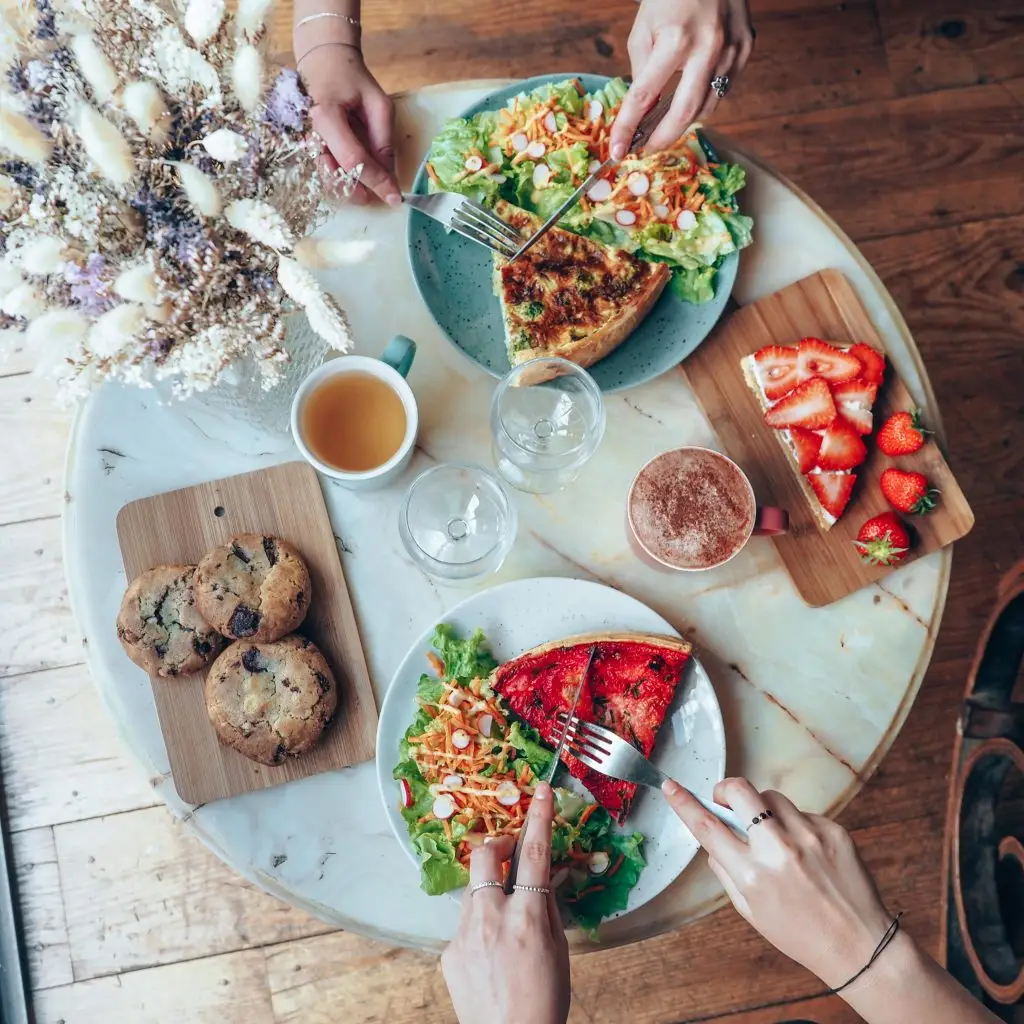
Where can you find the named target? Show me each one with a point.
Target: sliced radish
(593, 166)
(600, 190)
(638, 183)
(520, 142)
(599, 862)
(499, 178)
(559, 877)
(461, 739)
(686, 220)
(541, 175)
(594, 110)
(473, 163)
(404, 794)
(536, 149)
(550, 121)
(485, 723)
(661, 211)
(444, 806)
(625, 218)
(507, 794)
(454, 781)
(456, 697)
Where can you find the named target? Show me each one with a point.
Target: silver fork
(470, 219)
(599, 748)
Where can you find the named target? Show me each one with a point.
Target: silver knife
(513, 869)
(644, 130)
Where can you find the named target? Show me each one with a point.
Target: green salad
(467, 770)
(676, 207)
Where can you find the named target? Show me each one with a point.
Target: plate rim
(385, 781)
(418, 188)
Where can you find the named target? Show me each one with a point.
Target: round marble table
(812, 698)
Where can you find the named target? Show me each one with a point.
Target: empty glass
(547, 419)
(457, 522)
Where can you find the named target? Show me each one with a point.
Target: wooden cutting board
(179, 528)
(824, 564)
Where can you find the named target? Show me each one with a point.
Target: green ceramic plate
(453, 275)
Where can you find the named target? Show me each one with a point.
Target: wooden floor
(906, 125)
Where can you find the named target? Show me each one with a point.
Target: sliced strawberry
(833, 490)
(807, 445)
(778, 368)
(841, 447)
(872, 360)
(819, 359)
(808, 405)
(854, 399)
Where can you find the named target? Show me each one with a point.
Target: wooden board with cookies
(238, 609)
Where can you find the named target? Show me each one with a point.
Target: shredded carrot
(589, 891)
(585, 815)
(435, 662)
(615, 867)
(432, 174)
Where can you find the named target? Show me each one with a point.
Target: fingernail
(542, 792)
(394, 200)
(618, 151)
(670, 787)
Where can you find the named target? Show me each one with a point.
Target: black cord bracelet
(890, 934)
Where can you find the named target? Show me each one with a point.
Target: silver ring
(720, 85)
(485, 885)
(533, 888)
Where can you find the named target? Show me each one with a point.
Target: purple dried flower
(287, 104)
(90, 285)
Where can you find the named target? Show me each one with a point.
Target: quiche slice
(629, 689)
(570, 296)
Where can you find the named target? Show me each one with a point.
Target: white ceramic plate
(520, 615)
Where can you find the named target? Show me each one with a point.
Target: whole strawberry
(902, 434)
(908, 492)
(883, 540)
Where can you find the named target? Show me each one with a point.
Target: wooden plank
(61, 756)
(891, 167)
(37, 629)
(33, 467)
(824, 564)
(42, 908)
(826, 1010)
(932, 46)
(229, 989)
(179, 528)
(140, 891)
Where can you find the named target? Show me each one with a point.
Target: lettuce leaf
(613, 894)
(440, 870)
(694, 284)
(527, 741)
(729, 179)
(464, 660)
(448, 152)
(610, 96)
(740, 227)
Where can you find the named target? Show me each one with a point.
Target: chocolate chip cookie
(270, 701)
(253, 588)
(160, 627)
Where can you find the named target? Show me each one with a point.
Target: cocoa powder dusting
(692, 509)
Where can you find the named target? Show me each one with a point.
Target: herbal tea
(353, 422)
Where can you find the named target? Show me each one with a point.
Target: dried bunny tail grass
(144, 104)
(325, 253)
(61, 329)
(105, 145)
(225, 145)
(199, 189)
(261, 222)
(10, 274)
(203, 19)
(324, 314)
(137, 284)
(9, 192)
(251, 16)
(41, 255)
(95, 68)
(247, 77)
(115, 329)
(20, 137)
(23, 302)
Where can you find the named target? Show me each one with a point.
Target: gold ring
(533, 888)
(485, 885)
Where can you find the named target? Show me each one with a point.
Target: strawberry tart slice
(818, 397)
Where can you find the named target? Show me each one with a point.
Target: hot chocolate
(691, 508)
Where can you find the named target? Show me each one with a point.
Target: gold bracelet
(327, 14)
(354, 46)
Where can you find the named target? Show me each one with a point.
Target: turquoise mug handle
(399, 354)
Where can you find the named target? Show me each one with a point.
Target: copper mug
(691, 509)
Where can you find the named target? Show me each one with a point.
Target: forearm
(309, 33)
(905, 984)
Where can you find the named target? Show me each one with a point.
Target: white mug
(394, 363)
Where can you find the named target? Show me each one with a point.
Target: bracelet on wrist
(354, 22)
(890, 934)
(320, 46)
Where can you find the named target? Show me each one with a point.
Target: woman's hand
(510, 961)
(798, 880)
(702, 38)
(355, 119)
